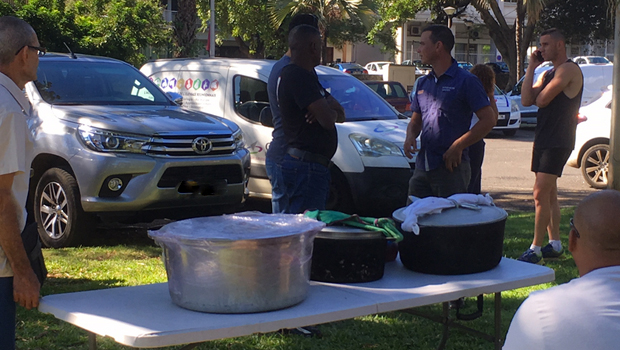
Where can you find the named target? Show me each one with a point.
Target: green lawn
(136, 260)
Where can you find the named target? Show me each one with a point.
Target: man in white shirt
(584, 313)
(19, 59)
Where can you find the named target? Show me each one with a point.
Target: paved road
(507, 177)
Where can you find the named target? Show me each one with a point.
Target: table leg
(92, 341)
(498, 321)
(446, 326)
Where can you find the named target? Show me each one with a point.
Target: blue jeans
(7, 314)
(279, 197)
(307, 184)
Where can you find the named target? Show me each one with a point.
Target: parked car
(351, 68)
(591, 60)
(393, 92)
(591, 152)
(377, 67)
(465, 65)
(370, 141)
(108, 142)
(509, 119)
(498, 67)
(424, 68)
(596, 80)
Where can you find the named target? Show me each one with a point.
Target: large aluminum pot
(241, 263)
(456, 241)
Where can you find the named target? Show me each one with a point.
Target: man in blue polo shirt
(443, 105)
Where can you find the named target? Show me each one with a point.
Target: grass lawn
(136, 260)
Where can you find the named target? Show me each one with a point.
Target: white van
(370, 173)
(596, 79)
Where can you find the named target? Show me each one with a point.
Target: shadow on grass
(523, 201)
(57, 285)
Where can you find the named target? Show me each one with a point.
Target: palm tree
(184, 28)
(329, 12)
(511, 41)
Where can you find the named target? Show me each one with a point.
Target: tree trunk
(520, 45)
(185, 25)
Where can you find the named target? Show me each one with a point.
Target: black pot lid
(348, 232)
(453, 217)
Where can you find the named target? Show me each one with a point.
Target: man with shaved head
(584, 313)
(19, 59)
(308, 120)
(557, 93)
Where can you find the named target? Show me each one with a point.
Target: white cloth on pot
(435, 205)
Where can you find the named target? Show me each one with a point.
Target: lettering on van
(188, 84)
(255, 148)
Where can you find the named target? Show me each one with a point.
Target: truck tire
(57, 209)
(595, 165)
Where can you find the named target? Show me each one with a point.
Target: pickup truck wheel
(595, 165)
(58, 213)
(339, 198)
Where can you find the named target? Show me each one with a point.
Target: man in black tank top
(557, 93)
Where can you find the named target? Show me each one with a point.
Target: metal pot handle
(474, 315)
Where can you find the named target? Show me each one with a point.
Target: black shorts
(550, 160)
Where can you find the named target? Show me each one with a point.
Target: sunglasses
(573, 228)
(40, 50)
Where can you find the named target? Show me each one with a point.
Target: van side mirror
(265, 117)
(175, 97)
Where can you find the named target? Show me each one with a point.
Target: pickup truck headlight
(108, 141)
(374, 147)
(514, 107)
(239, 140)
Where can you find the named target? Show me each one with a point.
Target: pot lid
(235, 227)
(453, 217)
(348, 232)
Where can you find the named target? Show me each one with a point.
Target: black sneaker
(549, 253)
(531, 257)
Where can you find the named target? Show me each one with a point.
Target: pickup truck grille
(232, 173)
(181, 145)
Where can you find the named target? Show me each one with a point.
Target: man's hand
(26, 289)
(333, 104)
(410, 147)
(452, 157)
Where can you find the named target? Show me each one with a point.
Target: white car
(509, 120)
(377, 68)
(596, 80)
(591, 152)
(591, 60)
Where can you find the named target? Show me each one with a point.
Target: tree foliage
(113, 28)
(582, 21)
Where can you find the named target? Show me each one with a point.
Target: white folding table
(144, 316)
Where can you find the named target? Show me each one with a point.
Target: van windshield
(357, 99)
(95, 83)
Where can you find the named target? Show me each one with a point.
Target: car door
(248, 91)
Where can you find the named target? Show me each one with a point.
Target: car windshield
(381, 65)
(498, 91)
(95, 83)
(351, 65)
(357, 99)
(598, 60)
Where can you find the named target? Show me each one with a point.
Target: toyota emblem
(202, 145)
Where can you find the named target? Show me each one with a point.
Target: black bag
(32, 245)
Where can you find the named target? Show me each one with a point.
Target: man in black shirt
(557, 93)
(308, 119)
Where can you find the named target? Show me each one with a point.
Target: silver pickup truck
(109, 144)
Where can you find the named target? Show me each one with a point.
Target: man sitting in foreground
(584, 313)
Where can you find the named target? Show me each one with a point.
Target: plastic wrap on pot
(240, 263)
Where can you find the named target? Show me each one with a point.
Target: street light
(468, 24)
(450, 11)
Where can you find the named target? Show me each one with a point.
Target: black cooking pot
(456, 241)
(344, 254)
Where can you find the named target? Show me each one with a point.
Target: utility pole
(613, 178)
(212, 31)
